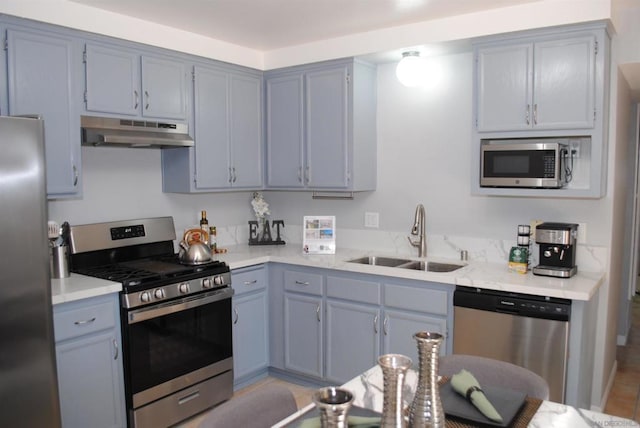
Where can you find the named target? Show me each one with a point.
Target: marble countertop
(493, 276)
(77, 287)
(368, 393)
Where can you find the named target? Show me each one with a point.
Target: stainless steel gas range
(175, 318)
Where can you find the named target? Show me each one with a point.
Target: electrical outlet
(575, 149)
(372, 220)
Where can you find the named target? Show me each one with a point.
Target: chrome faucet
(418, 230)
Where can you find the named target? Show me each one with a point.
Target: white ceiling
(272, 24)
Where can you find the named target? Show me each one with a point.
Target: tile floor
(623, 399)
(624, 395)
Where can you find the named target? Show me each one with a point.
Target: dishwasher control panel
(513, 303)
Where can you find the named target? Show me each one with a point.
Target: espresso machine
(557, 243)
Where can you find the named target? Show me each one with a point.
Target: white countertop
(367, 390)
(77, 287)
(493, 276)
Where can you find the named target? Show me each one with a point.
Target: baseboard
(607, 390)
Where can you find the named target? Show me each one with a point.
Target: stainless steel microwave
(540, 162)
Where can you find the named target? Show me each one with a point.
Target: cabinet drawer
(78, 321)
(353, 289)
(247, 280)
(303, 282)
(415, 299)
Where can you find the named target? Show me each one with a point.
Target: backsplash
(589, 258)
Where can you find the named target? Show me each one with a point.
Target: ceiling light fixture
(411, 69)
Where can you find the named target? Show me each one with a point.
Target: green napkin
(352, 421)
(465, 384)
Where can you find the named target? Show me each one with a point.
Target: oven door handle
(179, 306)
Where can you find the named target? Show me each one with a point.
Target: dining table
(368, 393)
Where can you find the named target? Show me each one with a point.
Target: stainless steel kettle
(195, 253)
(194, 248)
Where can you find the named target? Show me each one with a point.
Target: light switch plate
(372, 220)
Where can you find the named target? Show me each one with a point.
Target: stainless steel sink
(380, 261)
(407, 264)
(431, 266)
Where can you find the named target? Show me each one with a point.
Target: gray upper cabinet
(228, 135)
(538, 85)
(321, 127)
(41, 74)
(119, 81)
(545, 84)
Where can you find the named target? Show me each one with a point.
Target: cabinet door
(327, 127)
(164, 88)
(303, 334)
(250, 333)
(246, 131)
(88, 382)
(211, 119)
(399, 328)
(40, 72)
(353, 343)
(503, 86)
(564, 83)
(285, 134)
(112, 80)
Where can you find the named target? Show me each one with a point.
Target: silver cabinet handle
(385, 324)
(250, 282)
(146, 97)
(302, 282)
(137, 97)
(83, 322)
(307, 175)
(527, 116)
(318, 312)
(300, 174)
(535, 114)
(230, 175)
(235, 311)
(375, 324)
(234, 174)
(116, 350)
(75, 175)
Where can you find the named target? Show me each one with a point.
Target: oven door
(175, 344)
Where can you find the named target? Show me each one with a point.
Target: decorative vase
(426, 409)
(334, 404)
(394, 368)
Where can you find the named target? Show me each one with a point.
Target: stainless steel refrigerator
(28, 381)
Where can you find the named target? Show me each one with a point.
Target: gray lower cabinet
(250, 324)
(41, 70)
(335, 324)
(304, 322)
(89, 363)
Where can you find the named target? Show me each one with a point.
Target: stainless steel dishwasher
(526, 330)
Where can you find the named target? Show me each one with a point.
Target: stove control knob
(207, 283)
(145, 297)
(159, 293)
(218, 280)
(183, 288)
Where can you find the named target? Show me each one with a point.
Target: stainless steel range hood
(106, 131)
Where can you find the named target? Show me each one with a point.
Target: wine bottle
(204, 223)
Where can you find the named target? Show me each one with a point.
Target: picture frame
(319, 234)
